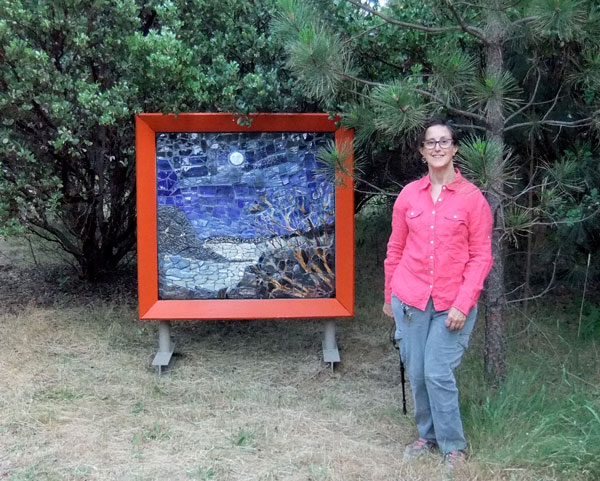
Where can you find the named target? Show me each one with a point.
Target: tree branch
(40, 111)
(368, 30)
(546, 290)
(466, 28)
(553, 123)
(356, 79)
(472, 30)
(529, 104)
(454, 110)
(557, 222)
(469, 126)
(525, 191)
(57, 236)
(433, 97)
(553, 104)
(523, 20)
(377, 190)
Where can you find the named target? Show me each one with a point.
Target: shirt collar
(425, 182)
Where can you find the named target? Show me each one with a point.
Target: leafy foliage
(72, 76)
(486, 160)
(453, 70)
(361, 118)
(397, 109)
(486, 92)
(566, 19)
(335, 160)
(323, 76)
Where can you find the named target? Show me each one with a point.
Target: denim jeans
(430, 353)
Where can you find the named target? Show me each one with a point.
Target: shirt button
(431, 257)
(431, 226)
(431, 272)
(412, 213)
(430, 286)
(433, 211)
(439, 199)
(454, 216)
(444, 187)
(431, 242)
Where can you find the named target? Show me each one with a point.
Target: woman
(438, 256)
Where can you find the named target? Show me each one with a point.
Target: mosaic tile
(241, 214)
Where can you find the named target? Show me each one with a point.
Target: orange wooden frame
(151, 308)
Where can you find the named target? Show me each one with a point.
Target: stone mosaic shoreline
(234, 266)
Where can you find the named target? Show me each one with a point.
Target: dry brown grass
(244, 400)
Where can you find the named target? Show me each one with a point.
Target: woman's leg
(412, 328)
(443, 352)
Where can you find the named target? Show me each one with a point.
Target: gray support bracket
(165, 346)
(331, 353)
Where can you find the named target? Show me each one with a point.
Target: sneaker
(454, 458)
(419, 448)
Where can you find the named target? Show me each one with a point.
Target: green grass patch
(243, 438)
(58, 394)
(201, 473)
(542, 418)
(527, 424)
(32, 473)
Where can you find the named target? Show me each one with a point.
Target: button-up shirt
(439, 249)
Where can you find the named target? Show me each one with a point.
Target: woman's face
(436, 156)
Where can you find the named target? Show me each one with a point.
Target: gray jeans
(431, 352)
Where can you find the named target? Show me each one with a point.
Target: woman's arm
(480, 261)
(396, 244)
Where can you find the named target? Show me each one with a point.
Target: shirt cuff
(463, 303)
(387, 297)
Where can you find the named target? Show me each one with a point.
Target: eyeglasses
(444, 143)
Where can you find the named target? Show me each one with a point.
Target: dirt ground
(244, 400)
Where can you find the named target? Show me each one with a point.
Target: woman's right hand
(387, 310)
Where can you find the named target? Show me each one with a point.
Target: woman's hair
(441, 122)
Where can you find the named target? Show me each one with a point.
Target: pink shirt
(441, 250)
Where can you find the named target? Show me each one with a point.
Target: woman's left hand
(455, 320)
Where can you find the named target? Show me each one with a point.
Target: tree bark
(495, 322)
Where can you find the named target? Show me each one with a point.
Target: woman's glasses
(444, 143)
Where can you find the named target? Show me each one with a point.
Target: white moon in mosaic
(236, 158)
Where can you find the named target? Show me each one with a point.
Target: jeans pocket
(464, 338)
(464, 335)
(398, 307)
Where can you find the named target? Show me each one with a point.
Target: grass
(545, 416)
(253, 400)
(528, 424)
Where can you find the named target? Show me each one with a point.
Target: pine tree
(508, 71)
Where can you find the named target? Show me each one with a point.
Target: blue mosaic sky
(245, 185)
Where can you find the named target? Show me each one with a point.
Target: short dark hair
(438, 121)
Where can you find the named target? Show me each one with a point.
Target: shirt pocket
(454, 236)
(455, 225)
(413, 216)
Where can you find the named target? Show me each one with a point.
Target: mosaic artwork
(244, 216)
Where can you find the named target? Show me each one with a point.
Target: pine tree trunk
(495, 323)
